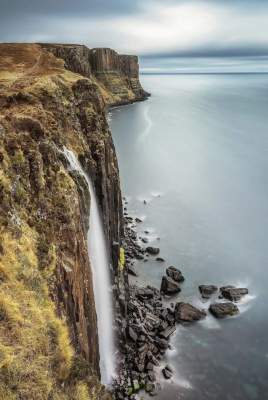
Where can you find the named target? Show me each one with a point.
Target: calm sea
(197, 152)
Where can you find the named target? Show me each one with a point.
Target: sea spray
(97, 249)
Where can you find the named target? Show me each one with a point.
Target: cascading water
(97, 249)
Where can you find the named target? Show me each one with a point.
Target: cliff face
(48, 330)
(117, 75)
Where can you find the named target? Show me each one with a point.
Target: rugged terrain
(53, 96)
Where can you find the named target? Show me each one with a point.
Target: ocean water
(197, 152)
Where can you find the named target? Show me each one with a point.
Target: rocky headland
(55, 96)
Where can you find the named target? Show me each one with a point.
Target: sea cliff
(53, 96)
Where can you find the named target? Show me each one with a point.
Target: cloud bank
(151, 28)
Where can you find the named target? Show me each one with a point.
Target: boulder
(175, 274)
(221, 310)
(166, 333)
(152, 250)
(233, 294)
(169, 286)
(132, 334)
(144, 240)
(145, 293)
(167, 372)
(188, 313)
(131, 271)
(207, 290)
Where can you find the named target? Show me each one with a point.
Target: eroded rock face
(43, 108)
(188, 313)
(119, 74)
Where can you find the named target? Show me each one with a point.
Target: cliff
(117, 75)
(48, 331)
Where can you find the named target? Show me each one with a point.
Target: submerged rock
(207, 290)
(169, 286)
(152, 250)
(175, 274)
(221, 310)
(160, 259)
(232, 293)
(188, 313)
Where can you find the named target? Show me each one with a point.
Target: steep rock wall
(116, 75)
(48, 313)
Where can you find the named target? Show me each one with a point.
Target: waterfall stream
(99, 260)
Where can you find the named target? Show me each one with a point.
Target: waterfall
(99, 260)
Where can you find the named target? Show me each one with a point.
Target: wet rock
(159, 259)
(132, 334)
(168, 332)
(145, 293)
(169, 286)
(161, 343)
(207, 290)
(188, 313)
(175, 274)
(233, 294)
(138, 220)
(152, 250)
(221, 310)
(150, 366)
(131, 271)
(144, 240)
(167, 372)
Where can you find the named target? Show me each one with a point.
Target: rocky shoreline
(152, 317)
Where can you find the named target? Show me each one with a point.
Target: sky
(175, 30)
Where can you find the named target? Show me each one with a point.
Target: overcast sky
(144, 27)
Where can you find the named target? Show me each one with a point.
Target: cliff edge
(117, 74)
(53, 96)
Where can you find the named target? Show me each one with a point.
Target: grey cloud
(12, 8)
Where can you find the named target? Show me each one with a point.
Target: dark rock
(188, 313)
(138, 220)
(150, 366)
(167, 372)
(145, 293)
(132, 334)
(151, 376)
(169, 287)
(221, 310)
(168, 332)
(144, 240)
(175, 274)
(161, 343)
(152, 250)
(160, 259)
(233, 294)
(131, 271)
(207, 290)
